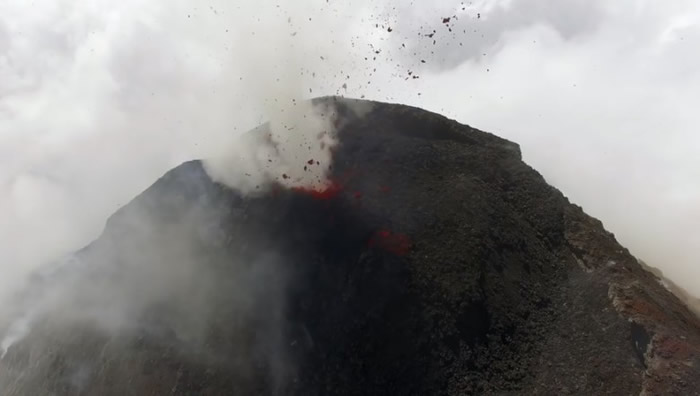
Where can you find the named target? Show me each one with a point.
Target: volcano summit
(433, 261)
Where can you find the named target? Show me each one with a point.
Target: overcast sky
(99, 98)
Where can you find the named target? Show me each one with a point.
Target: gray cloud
(450, 33)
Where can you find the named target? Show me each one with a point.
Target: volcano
(435, 262)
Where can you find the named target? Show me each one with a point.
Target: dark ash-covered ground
(437, 263)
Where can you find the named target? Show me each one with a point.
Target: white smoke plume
(99, 99)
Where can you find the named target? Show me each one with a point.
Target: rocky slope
(437, 262)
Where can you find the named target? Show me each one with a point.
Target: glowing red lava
(323, 193)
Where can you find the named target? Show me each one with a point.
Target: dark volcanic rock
(439, 263)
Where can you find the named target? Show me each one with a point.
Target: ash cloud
(98, 100)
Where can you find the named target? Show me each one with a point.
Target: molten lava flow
(398, 244)
(329, 191)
